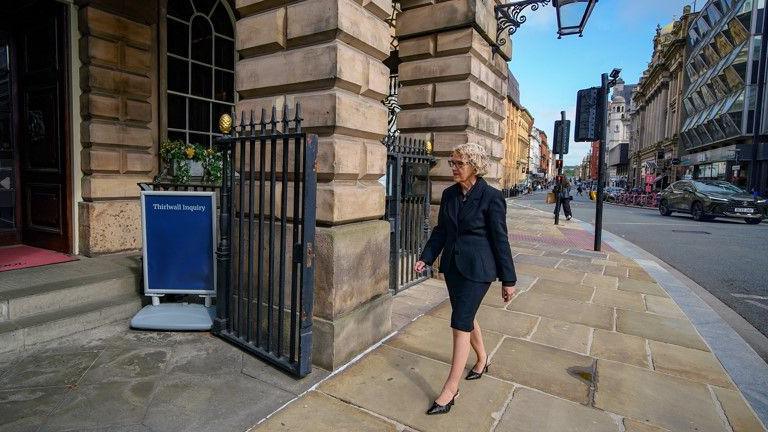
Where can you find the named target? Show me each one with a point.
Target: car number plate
(744, 210)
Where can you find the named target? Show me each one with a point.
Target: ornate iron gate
(408, 194)
(265, 262)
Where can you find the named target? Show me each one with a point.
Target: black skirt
(466, 296)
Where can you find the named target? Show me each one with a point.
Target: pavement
(591, 342)
(721, 256)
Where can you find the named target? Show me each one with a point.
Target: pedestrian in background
(563, 196)
(579, 189)
(471, 234)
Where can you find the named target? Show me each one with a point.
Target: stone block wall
(453, 85)
(327, 55)
(119, 145)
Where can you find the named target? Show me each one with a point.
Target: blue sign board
(179, 230)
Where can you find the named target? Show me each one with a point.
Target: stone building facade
(534, 156)
(616, 152)
(545, 153)
(128, 75)
(656, 116)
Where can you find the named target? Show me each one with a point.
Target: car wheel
(752, 221)
(697, 211)
(664, 209)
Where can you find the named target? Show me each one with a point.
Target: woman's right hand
(419, 266)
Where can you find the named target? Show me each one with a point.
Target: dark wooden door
(9, 211)
(43, 143)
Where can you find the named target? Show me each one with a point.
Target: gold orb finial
(225, 123)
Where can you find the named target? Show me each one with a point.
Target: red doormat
(21, 256)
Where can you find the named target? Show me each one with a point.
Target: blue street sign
(179, 232)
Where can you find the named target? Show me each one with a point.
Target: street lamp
(572, 16)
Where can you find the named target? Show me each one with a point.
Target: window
(200, 68)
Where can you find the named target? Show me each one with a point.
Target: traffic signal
(558, 164)
(588, 115)
(561, 137)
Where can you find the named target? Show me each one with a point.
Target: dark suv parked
(708, 199)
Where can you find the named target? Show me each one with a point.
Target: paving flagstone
(432, 337)
(740, 416)
(662, 400)
(688, 363)
(530, 410)
(573, 292)
(26, 409)
(319, 412)
(563, 309)
(613, 297)
(644, 287)
(545, 368)
(619, 347)
(401, 385)
(495, 320)
(656, 327)
(631, 425)
(103, 405)
(663, 306)
(563, 335)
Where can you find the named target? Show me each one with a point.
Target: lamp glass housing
(572, 15)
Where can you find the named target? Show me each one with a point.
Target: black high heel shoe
(436, 408)
(472, 375)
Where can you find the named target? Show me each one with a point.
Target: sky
(619, 34)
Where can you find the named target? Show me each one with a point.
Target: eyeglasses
(456, 164)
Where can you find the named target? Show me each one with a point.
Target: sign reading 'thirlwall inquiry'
(179, 230)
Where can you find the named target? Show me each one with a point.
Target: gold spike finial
(225, 123)
(429, 147)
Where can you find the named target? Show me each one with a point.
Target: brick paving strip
(591, 342)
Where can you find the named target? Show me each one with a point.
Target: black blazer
(476, 236)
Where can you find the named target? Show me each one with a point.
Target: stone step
(23, 333)
(49, 297)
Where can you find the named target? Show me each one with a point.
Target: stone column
(327, 54)
(117, 80)
(453, 85)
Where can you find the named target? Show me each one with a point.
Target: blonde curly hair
(475, 154)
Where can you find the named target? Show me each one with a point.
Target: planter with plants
(182, 160)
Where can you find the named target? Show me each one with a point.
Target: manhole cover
(691, 231)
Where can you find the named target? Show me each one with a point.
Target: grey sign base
(174, 316)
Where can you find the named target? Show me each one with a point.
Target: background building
(583, 168)
(656, 109)
(534, 157)
(593, 158)
(719, 101)
(545, 156)
(617, 150)
(517, 138)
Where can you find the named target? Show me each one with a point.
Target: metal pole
(601, 161)
(561, 140)
(753, 178)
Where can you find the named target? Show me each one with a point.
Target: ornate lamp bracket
(509, 17)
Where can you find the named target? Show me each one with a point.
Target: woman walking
(471, 233)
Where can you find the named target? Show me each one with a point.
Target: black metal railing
(407, 207)
(267, 234)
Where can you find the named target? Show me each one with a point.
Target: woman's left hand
(507, 292)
